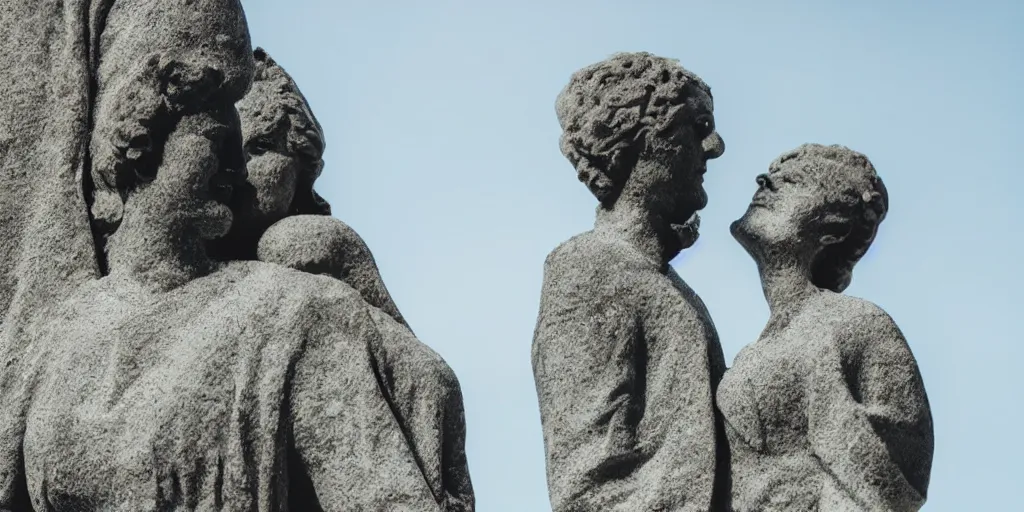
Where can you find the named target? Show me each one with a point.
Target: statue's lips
(221, 186)
(693, 222)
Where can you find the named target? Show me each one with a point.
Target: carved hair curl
(608, 109)
(860, 209)
(276, 108)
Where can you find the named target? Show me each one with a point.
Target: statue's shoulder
(263, 282)
(851, 311)
(591, 253)
(860, 325)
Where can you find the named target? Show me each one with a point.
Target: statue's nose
(714, 146)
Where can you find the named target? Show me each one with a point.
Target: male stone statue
(626, 358)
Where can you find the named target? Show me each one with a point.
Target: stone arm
(426, 398)
(348, 452)
(869, 421)
(589, 370)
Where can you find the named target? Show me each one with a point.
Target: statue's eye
(258, 147)
(703, 127)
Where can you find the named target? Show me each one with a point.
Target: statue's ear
(596, 180)
(107, 209)
(831, 239)
(835, 230)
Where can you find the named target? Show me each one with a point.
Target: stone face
(154, 366)
(827, 410)
(625, 356)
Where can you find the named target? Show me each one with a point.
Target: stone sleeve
(869, 423)
(346, 441)
(586, 369)
(426, 398)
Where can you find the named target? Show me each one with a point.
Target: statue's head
(167, 144)
(640, 129)
(284, 146)
(822, 204)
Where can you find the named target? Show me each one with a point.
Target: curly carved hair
(608, 109)
(858, 208)
(134, 119)
(275, 109)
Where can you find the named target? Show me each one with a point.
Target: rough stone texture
(324, 245)
(626, 358)
(46, 247)
(827, 410)
(178, 381)
(284, 146)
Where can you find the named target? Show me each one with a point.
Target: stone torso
(771, 401)
(166, 404)
(254, 388)
(625, 358)
(762, 400)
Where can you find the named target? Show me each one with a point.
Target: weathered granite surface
(626, 358)
(46, 247)
(288, 222)
(178, 380)
(827, 410)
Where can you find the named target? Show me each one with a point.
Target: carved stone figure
(626, 358)
(288, 223)
(827, 410)
(284, 145)
(178, 381)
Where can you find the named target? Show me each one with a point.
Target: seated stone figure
(625, 356)
(179, 382)
(827, 410)
(284, 147)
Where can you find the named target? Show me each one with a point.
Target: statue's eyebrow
(797, 170)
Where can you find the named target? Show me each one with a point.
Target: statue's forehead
(701, 99)
(794, 164)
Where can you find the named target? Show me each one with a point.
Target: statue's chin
(736, 228)
(688, 232)
(747, 237)
(214, 220)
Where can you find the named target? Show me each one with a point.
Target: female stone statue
(177, 381)
(827, 410)
(286, 221)
(284, 147)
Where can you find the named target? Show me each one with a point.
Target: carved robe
(98, 407)
(626, 361)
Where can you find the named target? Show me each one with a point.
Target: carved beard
(688, 232)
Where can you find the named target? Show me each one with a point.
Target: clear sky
(442, 152)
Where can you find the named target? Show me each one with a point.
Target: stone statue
(288, 222)
(827, 410)
(625, 356)
(179, 380)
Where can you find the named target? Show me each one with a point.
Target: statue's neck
(157, 253)
(649, 233)
(787, 285)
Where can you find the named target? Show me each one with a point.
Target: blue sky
(442, 152)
